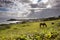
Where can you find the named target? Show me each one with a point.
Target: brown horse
(52, 23)
(43, 24)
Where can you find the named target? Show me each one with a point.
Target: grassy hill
(31, 31)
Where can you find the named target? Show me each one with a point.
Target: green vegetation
(30, 31)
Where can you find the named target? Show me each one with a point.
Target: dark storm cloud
(45, 13)
(33, 5)
(25, 1)
(5, 1)
(57, 2)
(39, 0)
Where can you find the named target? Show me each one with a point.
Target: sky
(20, 8)
(18, 5)
(35, 1)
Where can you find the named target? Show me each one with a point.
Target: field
(31, 31)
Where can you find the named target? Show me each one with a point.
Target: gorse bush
(58, 24)
(22, 37)
(4, 26)
(38, 36)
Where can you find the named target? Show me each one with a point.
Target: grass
(16, 30)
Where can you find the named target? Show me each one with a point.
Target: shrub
(48, 35)
(23, 22)
(22, 37)
(4, 26)
(58, 24)
(54, 35)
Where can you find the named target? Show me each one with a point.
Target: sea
(4, 21)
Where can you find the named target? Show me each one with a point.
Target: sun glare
(44, 1)
(48, 6)
(34, 1)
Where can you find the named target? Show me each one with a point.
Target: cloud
(20, 8)
(25, 1)
(44, 1)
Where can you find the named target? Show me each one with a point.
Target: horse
(43, 24)
(52, 23)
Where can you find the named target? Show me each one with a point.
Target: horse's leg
(43, 25)
(40, 25)
(46, 25)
